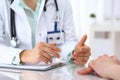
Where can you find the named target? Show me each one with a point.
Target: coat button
(40, 34)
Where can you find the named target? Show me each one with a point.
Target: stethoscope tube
(12, 19)
(57, 9)
(56, 6)
(45, 9)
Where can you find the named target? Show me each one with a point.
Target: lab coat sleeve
(7, 53)
(68, 26)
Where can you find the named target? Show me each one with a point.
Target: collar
(23, 5)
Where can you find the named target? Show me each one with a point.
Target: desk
(67, 72)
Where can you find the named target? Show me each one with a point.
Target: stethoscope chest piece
(14, 42)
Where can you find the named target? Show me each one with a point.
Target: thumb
(82, 41)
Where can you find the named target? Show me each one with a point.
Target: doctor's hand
(82, 52)
(42, 52)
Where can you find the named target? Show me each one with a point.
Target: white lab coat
(23, 28)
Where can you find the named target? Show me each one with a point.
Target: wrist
(23, 56)
(70, 58)
(16, 58)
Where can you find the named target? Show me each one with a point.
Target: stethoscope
(15, 41)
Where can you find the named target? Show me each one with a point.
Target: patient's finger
(86, 71)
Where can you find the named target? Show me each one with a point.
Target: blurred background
(100, 20)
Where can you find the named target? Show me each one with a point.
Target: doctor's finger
(44, 59)
(82, 41)
(52, 46)
(46, 55)
(82, 54)
(51, 52)
(85, 48)
(79, 62)
(83, 59)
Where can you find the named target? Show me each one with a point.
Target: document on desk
(36, 67)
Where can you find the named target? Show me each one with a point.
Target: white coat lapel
(43, 4)
(19, 11)
(41, 9)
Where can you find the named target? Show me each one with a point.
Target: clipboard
(34, 67)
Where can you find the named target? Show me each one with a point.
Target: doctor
(38, 29)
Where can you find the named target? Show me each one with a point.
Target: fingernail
(50, 61)
(59, 56)
(79, 72)
(59, 50)
(94, 73)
